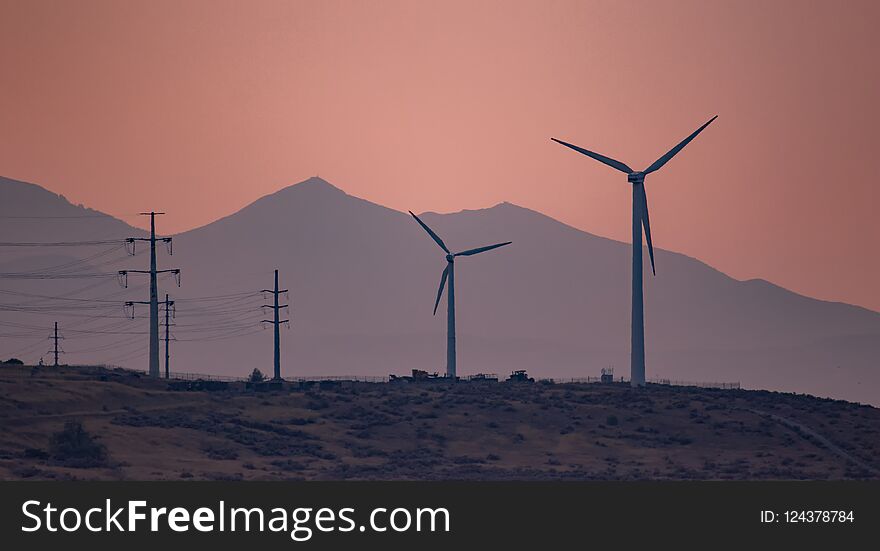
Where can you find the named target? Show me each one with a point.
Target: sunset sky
(198, 108)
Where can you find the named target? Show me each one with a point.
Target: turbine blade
(647, 224)
(478, 250)
(601, 158)
(442, 285)
(433, 235)
(672, 152)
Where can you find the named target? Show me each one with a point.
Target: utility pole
(168, 305)
(56, 350)
(154, 288)
(277, 323)
(169, 313)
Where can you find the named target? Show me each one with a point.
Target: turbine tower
(639, 220)
(449, 274)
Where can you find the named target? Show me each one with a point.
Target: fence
(187, 376)
(665, 382)
(203, 377)
(673, 382)
(347, 378)
(570, 380)
(481, 377)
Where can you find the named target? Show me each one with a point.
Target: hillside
(362, 281)
(483, 431)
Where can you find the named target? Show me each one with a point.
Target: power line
(63, 243)
(37, 275)
(38, 343)
(55, 217)
(237, 296)
(113, 345)
(67, 267)
(129, 355)
(70, 217)
(68, 297)
(69, 330)
(223, 336)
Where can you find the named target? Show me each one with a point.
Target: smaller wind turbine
(449, 274)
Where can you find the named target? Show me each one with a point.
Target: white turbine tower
(449, 274)
(639, 219)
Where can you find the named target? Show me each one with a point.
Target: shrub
(35, 453)
(611, 421)
(30, 472)
(289, 465)
(73, 446)
(257, 376)
(219, 452)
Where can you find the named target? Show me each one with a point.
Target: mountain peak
(507, 205)
(315, 182)
(311, 188)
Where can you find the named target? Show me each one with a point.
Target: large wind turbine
(639, 219)
(449, 274)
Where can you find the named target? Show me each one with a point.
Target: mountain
(30, 213)
(363, 278)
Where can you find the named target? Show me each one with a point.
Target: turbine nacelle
(636, 178)
(450, 256)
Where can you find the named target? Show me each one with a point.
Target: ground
(429, 430)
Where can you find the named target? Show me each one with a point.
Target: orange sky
(197, 108)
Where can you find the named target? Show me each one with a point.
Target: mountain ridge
(321, 183)
(364, 277)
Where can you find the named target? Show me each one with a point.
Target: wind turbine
(449, 273)
(639, 219)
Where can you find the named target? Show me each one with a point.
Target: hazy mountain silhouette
(31, 213)
(363, 280)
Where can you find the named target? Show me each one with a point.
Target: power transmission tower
(154, 287)
(56, 350)
(277, 323)
(169, 304)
